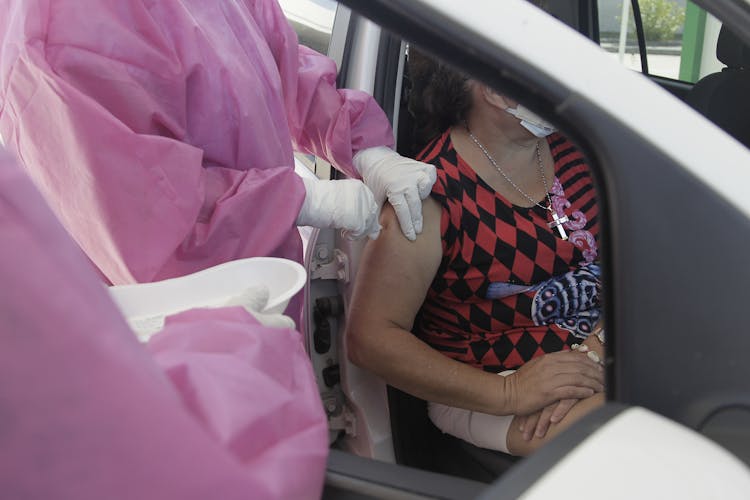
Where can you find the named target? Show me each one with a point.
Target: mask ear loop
(534, 124)
(512, 111)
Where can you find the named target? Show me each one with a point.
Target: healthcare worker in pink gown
(215, 406)
(162, 133)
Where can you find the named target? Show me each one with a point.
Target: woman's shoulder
(560, 144)
(570, 163)
(438, 148)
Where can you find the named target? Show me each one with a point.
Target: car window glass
(312, 20)
(680, 37)
(617, 32)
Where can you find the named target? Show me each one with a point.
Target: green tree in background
(661, 19)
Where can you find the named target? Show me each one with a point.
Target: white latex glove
(254, 300)
(344, 204)
(405, 182)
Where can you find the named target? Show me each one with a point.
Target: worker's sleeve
(325, 121)
(112, 159)
(88, 414)
(253, 389)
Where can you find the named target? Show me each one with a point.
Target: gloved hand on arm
(343, 204)
(403, 181)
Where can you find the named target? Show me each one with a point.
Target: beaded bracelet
(600, 335)
(593, 356)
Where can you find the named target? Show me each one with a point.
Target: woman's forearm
(406, 362)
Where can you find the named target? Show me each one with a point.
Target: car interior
(416, 442)
(722, 96)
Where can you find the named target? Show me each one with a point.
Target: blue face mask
(531, 122)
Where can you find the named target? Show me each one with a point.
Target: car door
(676, 344)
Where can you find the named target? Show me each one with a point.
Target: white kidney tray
(145, 305)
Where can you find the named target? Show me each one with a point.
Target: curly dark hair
(439, 97)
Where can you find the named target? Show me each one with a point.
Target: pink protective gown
(87, 413)
(161, 132)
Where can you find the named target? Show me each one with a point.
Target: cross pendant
(557, 222)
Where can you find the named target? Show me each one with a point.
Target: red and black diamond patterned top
(478, 309)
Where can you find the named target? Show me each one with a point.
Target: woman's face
(513, 117)
(495, 105)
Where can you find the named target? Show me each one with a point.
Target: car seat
(723, 97)
(418, 443)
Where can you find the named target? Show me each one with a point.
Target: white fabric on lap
(480, 429)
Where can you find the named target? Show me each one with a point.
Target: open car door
(676, 230)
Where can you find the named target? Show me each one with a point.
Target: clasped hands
(555, 383)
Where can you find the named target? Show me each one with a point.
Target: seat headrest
(731, 50)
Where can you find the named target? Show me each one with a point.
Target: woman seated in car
(503, 279)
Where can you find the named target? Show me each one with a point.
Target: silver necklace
(557, 221)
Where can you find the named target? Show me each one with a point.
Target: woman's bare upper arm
(392, 281)
(394, 273)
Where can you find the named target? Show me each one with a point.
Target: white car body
(641, 453)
